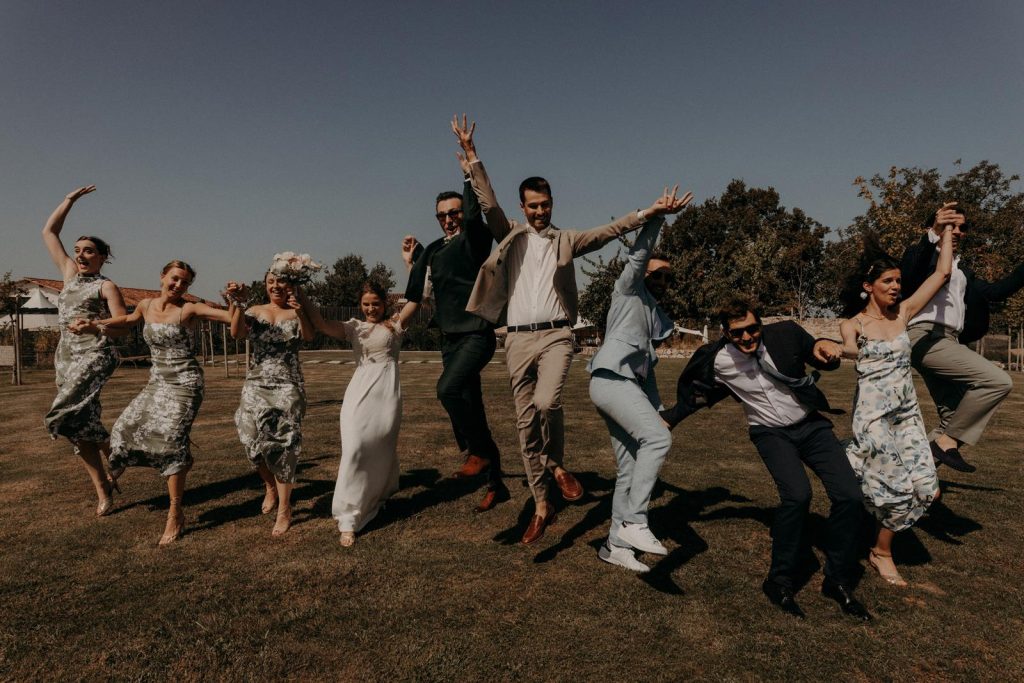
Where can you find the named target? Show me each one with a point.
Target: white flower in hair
(294, 268)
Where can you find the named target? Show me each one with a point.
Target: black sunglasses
(441, 215)
(662, 275)
(738, 332)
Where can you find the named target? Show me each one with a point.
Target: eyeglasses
(441, 215)
(662, 275)
(738, 332)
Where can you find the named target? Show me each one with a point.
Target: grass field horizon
(432, 591)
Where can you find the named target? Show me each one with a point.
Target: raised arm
(205, 312)
(233, 293)
(408, 310)
(910, 306)
(51, 232)
(586, 241)
(306, 329)
(497, 222)
(332, 328)
(411, 251)
(119, 321)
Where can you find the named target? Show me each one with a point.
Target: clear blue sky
(221, 132)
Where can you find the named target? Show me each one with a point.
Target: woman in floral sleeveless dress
(269, 417)
(889, 451)
(153, 431)
(371, 412)
(85, 358)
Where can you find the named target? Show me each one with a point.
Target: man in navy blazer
(763, 367)
(625, 392)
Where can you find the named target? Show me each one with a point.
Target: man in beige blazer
(529, 283)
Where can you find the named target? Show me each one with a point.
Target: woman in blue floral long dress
(154, 429)
(85, 358)
(269, 417)
(889, 451)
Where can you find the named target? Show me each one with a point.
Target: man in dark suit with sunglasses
(763, 367)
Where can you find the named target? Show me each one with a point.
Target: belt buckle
(534, 327)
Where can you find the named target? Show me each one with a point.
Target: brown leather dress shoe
(569, 486)
(473, 466)
(493, 496)
(537, 526)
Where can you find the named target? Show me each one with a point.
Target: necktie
(792, 382)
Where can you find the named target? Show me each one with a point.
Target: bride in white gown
(371, 411)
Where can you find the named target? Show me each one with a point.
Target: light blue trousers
(640, 441)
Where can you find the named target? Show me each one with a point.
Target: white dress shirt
(948, 306)
(531, 273)
(766, 401)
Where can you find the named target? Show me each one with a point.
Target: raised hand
(235, 291)
(293, 300)
(464, 132)
(80, 192)
(947, 215)
(668, 202)
(409, 244)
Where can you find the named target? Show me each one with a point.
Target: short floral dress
(154, 429)
(84, 363)
(889, 451)
(269, 418)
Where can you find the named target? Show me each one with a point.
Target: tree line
(746, 242)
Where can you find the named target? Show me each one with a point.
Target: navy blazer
(634, 321)
(919, 262)
(791, 349)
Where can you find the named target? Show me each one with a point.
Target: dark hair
(873, 262)
(930, 221)
(179, 264)
(447, 194)
(737, 308)
(101, 246)
(374, 287)
(659, 256)
(536, 184)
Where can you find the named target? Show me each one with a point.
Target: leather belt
(536, 327)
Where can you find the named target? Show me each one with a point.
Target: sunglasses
(661, 275)
(738, 332)
(441, 215)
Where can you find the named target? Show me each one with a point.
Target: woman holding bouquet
(154, 429)
(269, 417)
(371, 412)
(85, 359)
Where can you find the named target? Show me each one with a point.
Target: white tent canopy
(38, 312)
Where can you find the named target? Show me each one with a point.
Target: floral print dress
(84, 363)
(154, 429)
(889, 451)
(269, 418)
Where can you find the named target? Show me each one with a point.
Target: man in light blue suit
(625, 392)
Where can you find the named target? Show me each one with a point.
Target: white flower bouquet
(297, 269)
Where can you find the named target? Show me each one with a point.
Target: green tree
(899, 203)
(341, 285)
(9, 292)
(596, 298)
(743, 243)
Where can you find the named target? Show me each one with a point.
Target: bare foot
(284, 521)
(347, 538)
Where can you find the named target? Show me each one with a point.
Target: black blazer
(919, 262)
(791, 349)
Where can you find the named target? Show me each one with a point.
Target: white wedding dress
(371, 414)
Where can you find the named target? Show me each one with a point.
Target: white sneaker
(640, 537)
(623, 557)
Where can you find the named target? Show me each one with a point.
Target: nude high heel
(177, 515)
(891, 577)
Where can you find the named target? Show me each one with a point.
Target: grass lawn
(434, 592)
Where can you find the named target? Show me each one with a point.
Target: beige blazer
(489, 298)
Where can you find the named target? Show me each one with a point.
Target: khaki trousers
(538, 363)
(966, 388)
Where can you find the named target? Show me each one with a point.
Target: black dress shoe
(952, 458)
(783, 598)
(844, 596)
